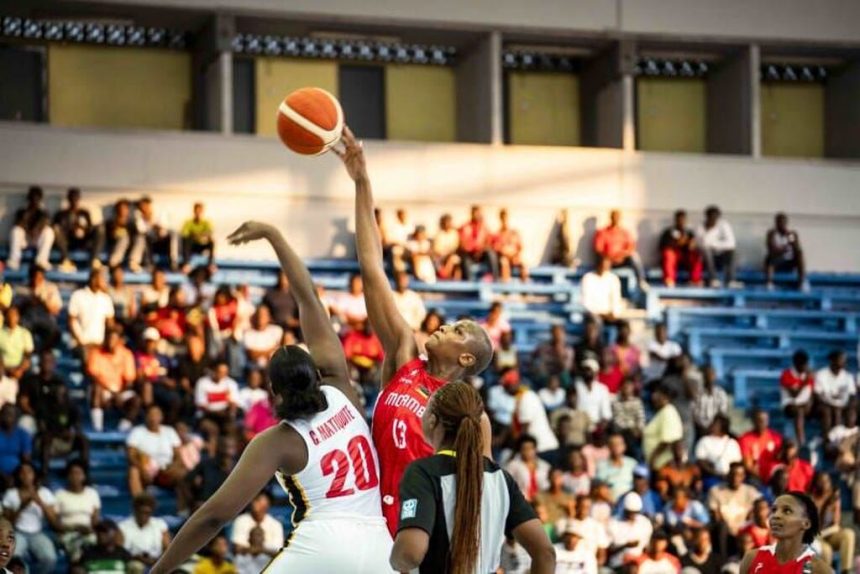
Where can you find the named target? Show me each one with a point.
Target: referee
(457, 506)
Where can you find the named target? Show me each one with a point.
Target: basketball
(310, 121)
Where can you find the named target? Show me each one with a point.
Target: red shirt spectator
(474, 237)
(791, 380)
(800, 475)
(362, 347)
(760, 535)
(614, 242)
(761, 446)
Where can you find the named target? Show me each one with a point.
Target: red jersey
(765, 562)
(397, 432)
(765, 449)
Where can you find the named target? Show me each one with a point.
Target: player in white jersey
(321, 452)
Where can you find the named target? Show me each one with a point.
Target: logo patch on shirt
(408, 508)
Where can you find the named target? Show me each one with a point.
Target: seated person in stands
(660, 351)
(508, 246)
(760, 446)
(152, 237)
(717, 450)
(601, 292)
(615, 243)
(215, 558)
(153, 377)
(197, 237)
(59, 427)
(40, 304)
(446, 246)
(91, 312)
(8, 387)
(16, 344)
(106, 553)
(124, 297)
(364, 354)
(32, 228)
(590, 346)
(495, 323)
(628, 414)
(350, 307)
(628, 355)
(409, 303)
(16, 444)
(553, 357)
(257, 557)
(75, 231)
(78, 510)
(784, 253)
(205, 478)
(262, 339)
(678, 249)
(796, 385)
(396, 236)
(119, 233)
(834, 390)
(258, 517)
(506, 356)
(31, 507)
(217, 397)
(144, 536)
(112, 371)
(731, 504)
(280, 301)
(36, 389)
(716, 241)
(157, 293)
(476, 246)
(153, 454)
(420, 250)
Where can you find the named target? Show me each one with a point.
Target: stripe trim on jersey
(299, 500)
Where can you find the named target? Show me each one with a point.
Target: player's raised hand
(351, 152)
(249, 231)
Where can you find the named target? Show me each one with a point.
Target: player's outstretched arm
(393, 331)
(277, 447)
(323, 344)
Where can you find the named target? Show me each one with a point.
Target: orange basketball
(310, 121)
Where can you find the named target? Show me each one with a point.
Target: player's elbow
(405, 558)
(543, 558)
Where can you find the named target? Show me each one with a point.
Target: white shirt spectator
(523, 476)
(265, 340)
(596, 536)
(721, 451)
(719, 238)
(350, 306)
(707, 406)
(273, 531)
(147, 541)
(411, 307)
(92, 309)
(576, 561)
(157, 297)
(398, 233)
(76, 508)
(623, 532)
(834, 390)
(596, 401)
(552, 399)
(249, 397)
(501, 405)
(157, 446)
(601, 294)
(529, 410)
(8, 391)
(216, 396)
(247, 564)
(32, 516)
(663, 352)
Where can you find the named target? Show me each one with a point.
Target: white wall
(824, 20)
(243, 177)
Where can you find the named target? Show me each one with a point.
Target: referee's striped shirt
(428, 494)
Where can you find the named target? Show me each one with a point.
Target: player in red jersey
(794, 523)
(453, 352)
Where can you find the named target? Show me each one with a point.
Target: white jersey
(342, 474)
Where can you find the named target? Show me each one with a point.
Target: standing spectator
(78, 510)
(796, 386)
(123, 297)
(530, 472)
(475, 246)
(396, 236)
(197, 237)
(660, 350)
(59, 427)
(616, 244)
(446, 249)
(90, 312)
(256, 558)
(258, 517)
(834, 388)
(683, 514)
(759, 528)
(552, 395)
(784, 252)
(495, 323)
(508, 246)
(364, 353)
(152, 237)
(716, 240)
(631, 534)
(731, 504)
(601, 292)
(153, 370)
(16, 444)
(217, 396)
(760, 447)
(718, 450)
(529, 417)
(153, 455)
(628, 355)
(28, 506)
(40, 304)
(409, 303)
(16, 345)
(553, 357)
(420, 249)
(712, 401)
(215, 561)
(31, 229)
(262, 339)
(280, 301)
(119, 233)
(572, 555)
(112, 371)
(657, 559)
(106, 555)
(679, 472)
(617, 470)
(144, 536)
(74, 229)
(834, 536)
(678, 248)
(593, 396)
(662, 431)
(701, 556)
(799, 472)
(628, 414)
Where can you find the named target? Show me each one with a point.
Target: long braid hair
(458, 408)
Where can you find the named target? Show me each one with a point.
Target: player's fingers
(337, 152)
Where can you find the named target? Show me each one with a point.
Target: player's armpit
(409, 549)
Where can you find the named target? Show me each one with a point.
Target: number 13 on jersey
(399, 430)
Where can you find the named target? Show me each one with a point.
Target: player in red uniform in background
(453, 352)
(794, 523)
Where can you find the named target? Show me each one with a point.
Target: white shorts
(325, 545)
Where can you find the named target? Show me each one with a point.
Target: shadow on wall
(584, 251)
(648, 240)
(342, 240)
